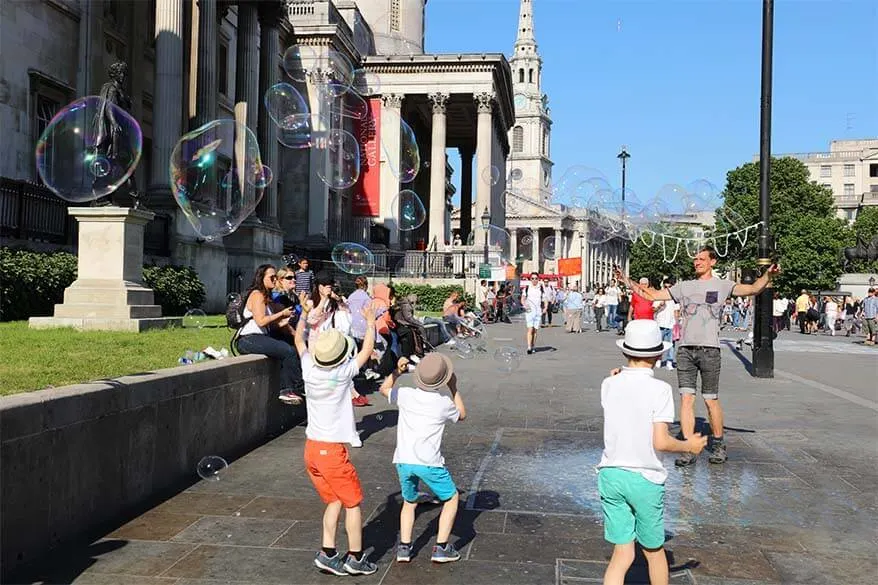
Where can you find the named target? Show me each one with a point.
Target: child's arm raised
(390, 381)
(365, 354)
(663, 441)
(455, 394)
(299, 338)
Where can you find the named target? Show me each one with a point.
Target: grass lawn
(33, 359)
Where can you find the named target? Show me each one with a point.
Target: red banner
(569, 266)
(367, 190)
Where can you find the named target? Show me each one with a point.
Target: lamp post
(623, 156)
(871, 282)
(763, 344)
(486, 223)
(582, 271)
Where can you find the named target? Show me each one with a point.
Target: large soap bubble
(410, 210)
(353, 258)
(498, 244)
(81, 157)
(285, 105)
(405, 166)
(217, 177)
(339, 160)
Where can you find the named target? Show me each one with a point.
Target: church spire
(525, 25)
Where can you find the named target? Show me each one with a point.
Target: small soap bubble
(491, 175)
(210, 467)
(410, 210)
(353, 258)
(339, 167)
(194, 318)
(548, 248)
(406, 165)
(285, 105)
(507, 359)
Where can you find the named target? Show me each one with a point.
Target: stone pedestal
(108, 293)
(857, 283)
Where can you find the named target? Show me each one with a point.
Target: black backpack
(235, 312)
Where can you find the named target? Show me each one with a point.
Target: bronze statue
(862, 251)
(108, 130)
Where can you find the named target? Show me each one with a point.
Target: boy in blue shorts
(423, 413)
(637, 411)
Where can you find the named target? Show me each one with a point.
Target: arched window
(544, 147)
(517, 139)
(521, 76)
(530, 76)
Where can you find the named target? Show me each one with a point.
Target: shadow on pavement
(71, 566)
(372, 423)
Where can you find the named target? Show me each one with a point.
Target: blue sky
(678, 81)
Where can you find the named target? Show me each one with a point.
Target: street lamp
(623, 156)
(582, 271)
(871, 281)
(486, 223)
(763, 342)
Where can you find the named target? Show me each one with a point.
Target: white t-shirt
(611, 296)
(422, 418)
(665, 315)
(632, 401)
(533, 299)
(330, 411)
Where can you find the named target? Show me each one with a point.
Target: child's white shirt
(422, 418)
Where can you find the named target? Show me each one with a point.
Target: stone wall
(77, 458)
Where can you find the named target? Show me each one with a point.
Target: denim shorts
(436, 478)
(693, 359)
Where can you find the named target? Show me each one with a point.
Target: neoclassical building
(193, 61)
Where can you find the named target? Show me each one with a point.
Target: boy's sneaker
(404, 553)
(670, 365)
(718, 453)
(529, 351)
(448, 554)
(334, 564)
(685, 460)
(361, 567)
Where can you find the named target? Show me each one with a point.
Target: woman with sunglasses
(284, 296)
(255, 338)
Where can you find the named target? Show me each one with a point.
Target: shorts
(692, 359)
(332, 473)
(870, 328)
(436, 478)
(532, 319)
(633, 508)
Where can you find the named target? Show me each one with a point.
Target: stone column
(466, 193)
(167, 120)
(269, 55)
(391, 107)
(437, 172)
(247, 65)
(513, 246)
(559, 245)
(484, 138)
(205, 94)
(535, 250)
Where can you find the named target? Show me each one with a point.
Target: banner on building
(367, 190)
(569, 266)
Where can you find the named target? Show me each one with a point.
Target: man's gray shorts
(692, 359)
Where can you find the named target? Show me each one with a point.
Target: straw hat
(434, 371)
(331, 348)
(643, 338)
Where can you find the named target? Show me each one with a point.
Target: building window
(825, 171)
(47, 97)
(873, 189)
(849, 170)
(521, 76)
(544, 146)
(848, 189)
(850, 214)
(873, 170)
(395, 16)
(530, 76)
(826, 186)
(517, 139)
(222, 74)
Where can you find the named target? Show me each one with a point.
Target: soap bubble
(337, 72)
(515, 174)
(464, 350)
(217, 177)
(366, 83)
(298, 131)
(194, 318)
(507, 359)
(210, 467)
(548, 248)
(498, 244)
(78, 157)
(297, 61)
(525, 244)
(285, 105)
(410, 210)
(349, 105)
(405, 167)
(290, 260)
(673, 198)
(491, 175)
(567, 186)
(353, 258)
(341, 160)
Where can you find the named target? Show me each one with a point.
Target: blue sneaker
(334, 564)
(362, 567)
(448, 554)
(404, 553)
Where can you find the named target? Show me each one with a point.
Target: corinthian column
(205, 100)
(167, 125)
(247, 65)
(269, 56)
(437, 171)
(485, 108)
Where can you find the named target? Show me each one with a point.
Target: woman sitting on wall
(255, 338)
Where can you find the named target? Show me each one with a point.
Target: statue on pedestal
(862, 251)
(108, 131)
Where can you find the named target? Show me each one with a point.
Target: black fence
(29, 211)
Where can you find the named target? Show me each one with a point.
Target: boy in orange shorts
(328, 369)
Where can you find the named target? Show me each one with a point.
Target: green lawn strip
(35, 359)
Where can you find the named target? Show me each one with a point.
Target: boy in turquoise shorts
(631, 478)
(423, 413)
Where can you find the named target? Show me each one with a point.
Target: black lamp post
(623, 156)
(871, 282)
(763, 343)
(582, 271)
(486, 223)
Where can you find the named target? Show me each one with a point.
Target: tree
(865, 228)
(656, 263)
(807, 234)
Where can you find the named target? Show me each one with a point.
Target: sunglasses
(272, 278)
(289, 278)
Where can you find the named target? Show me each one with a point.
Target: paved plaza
(795, 503)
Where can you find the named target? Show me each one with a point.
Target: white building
(850, 169)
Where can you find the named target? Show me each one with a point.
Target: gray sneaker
(685, 460)
(333, 564)
(355, 567)
(403, 553)
(448, 554)
(718, 454)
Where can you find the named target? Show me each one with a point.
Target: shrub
(177, 288)
(430, 298)
(32, 283)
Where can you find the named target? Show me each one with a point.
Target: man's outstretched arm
(747, 290)
(647, 292)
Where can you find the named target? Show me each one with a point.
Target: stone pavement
(796, 502)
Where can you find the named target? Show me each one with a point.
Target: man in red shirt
(640, 308)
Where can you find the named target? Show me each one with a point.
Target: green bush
(430, 298)
(32, 283)
(177, 288)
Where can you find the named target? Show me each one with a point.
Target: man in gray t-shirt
(698, 352)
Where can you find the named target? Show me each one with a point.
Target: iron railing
(29, 211)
